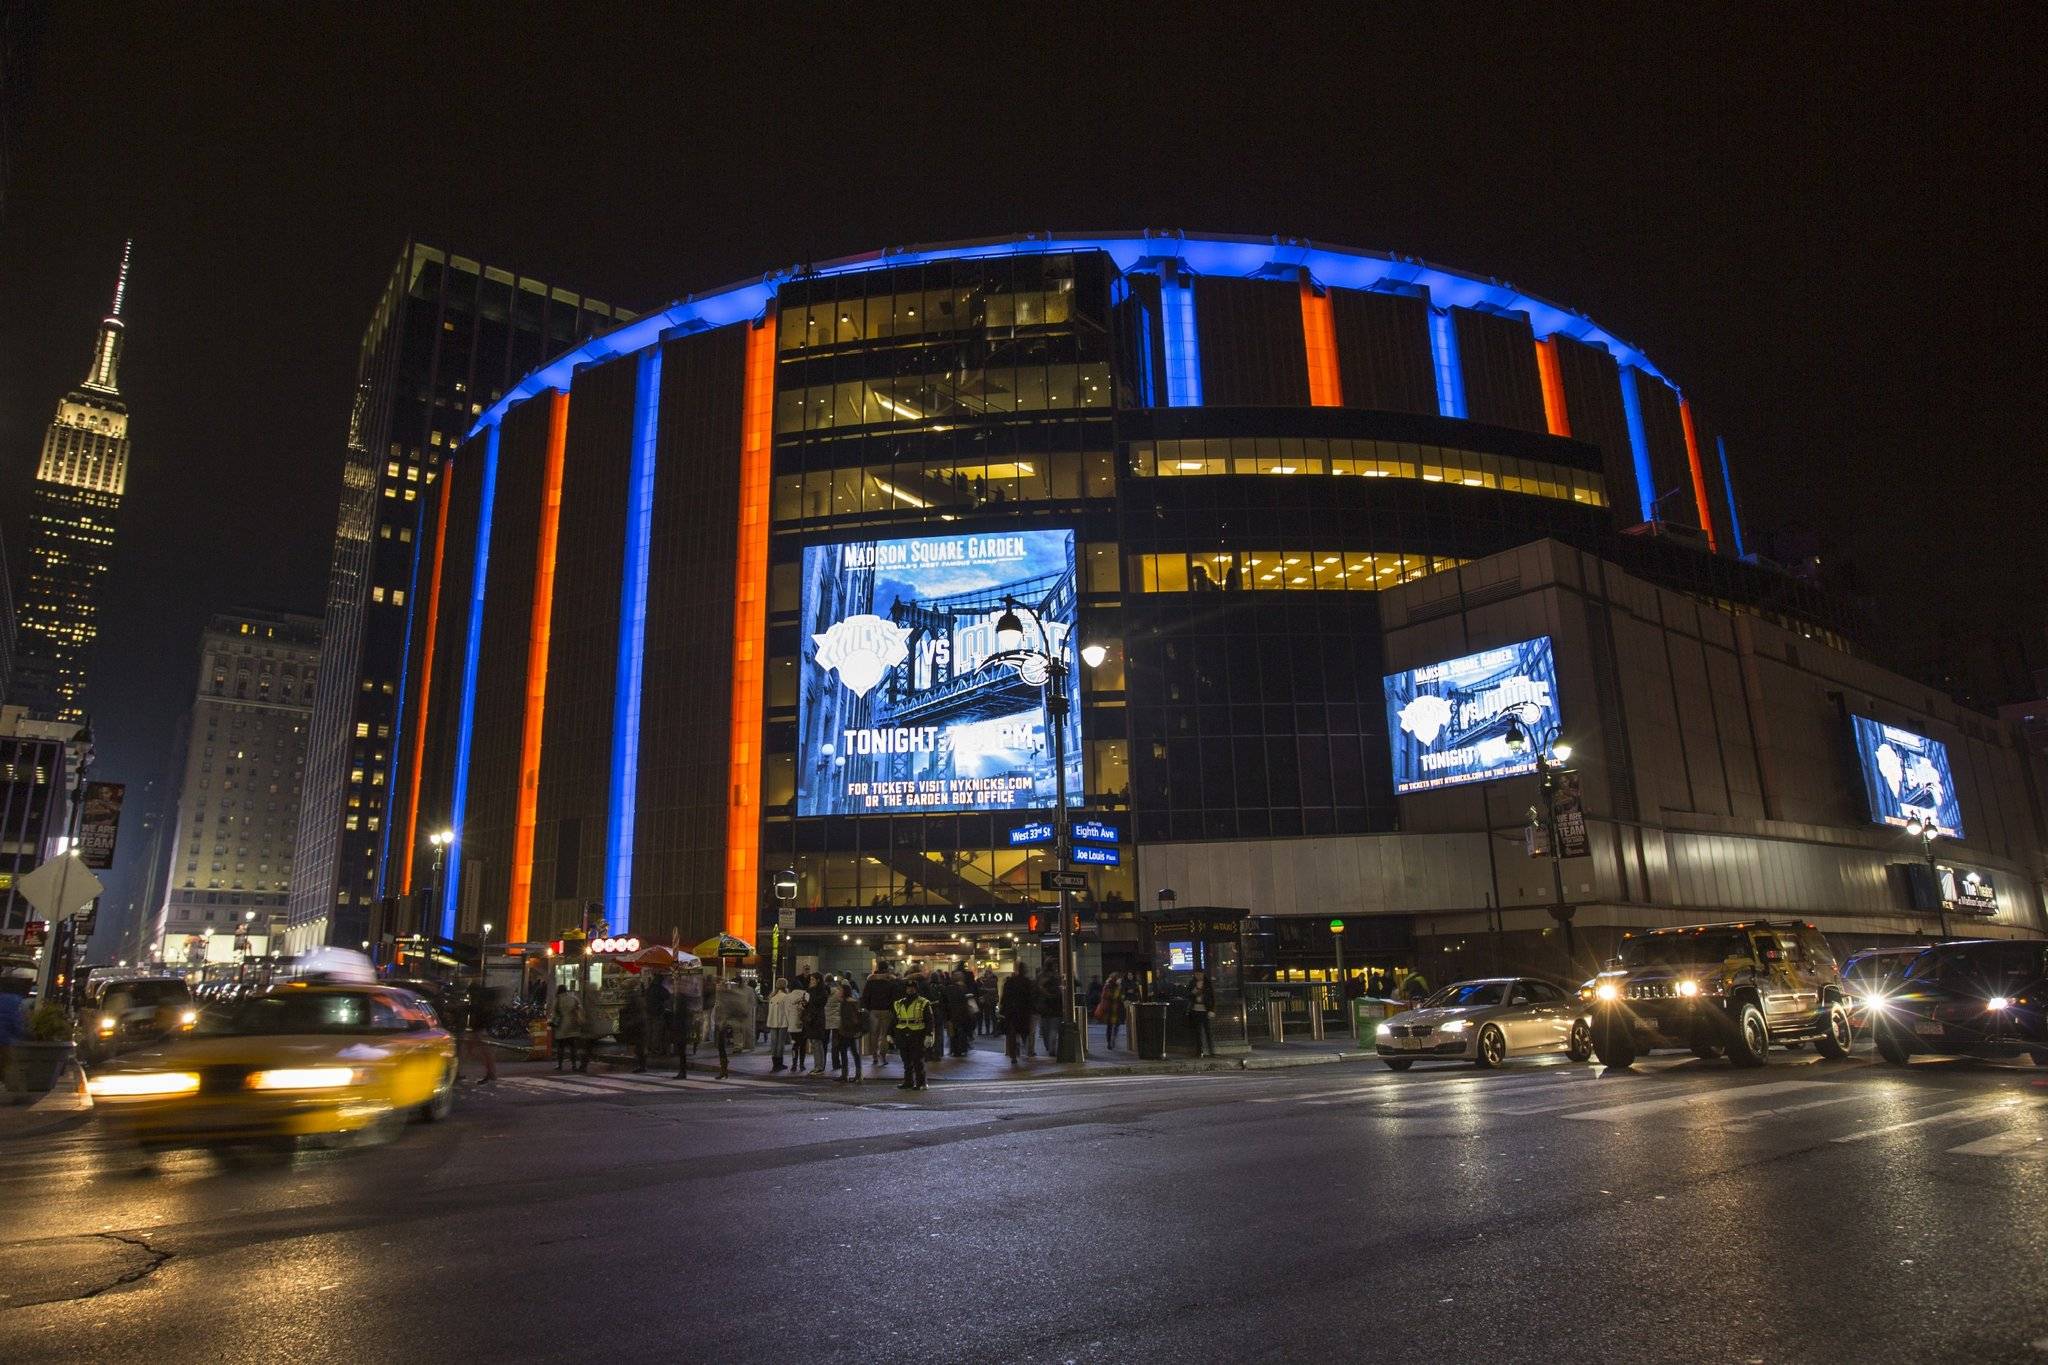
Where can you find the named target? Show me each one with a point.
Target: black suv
(1980, 998)
(1736, 988)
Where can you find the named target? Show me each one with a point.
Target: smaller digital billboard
(1450, 723)
(1906, 777)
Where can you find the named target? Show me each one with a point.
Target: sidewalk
(986, 1062)
(24, 1116)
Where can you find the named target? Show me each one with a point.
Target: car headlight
(1880, 1003)
(188, 1018)
(1688, 987)
(1456, 1026)
(108, 1023)
(1607, 990)
(1384, 1028)
(303, 1078)
(1998, 1002)
(133, 1084)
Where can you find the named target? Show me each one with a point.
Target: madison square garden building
(1333, 547)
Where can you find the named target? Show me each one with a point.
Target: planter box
(40, 1063)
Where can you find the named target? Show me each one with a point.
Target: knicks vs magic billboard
(1448, 723)
(1906, 776)
(900, 707)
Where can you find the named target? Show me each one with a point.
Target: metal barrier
(1318, 1000)
(1276, 1019)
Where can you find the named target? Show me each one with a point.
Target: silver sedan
(1486, 1022)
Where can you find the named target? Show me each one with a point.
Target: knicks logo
(861, 649)
(1425, 718)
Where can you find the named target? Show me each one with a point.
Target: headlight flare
(1456, 1026)
(117, 1085)
(1607, 990)
(1384, 1029)
(1998, 1002)
(1688, 987)
(303, 1078)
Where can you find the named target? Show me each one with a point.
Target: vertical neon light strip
(1450, 374)
(1638, 442)
(1555, 419)
(1728, 487)
(537, 670)
(1183, 348)
(1699, 477)
(632, 641)
(419, 732)
(749, 638)
(1319, 339)
(465, 725)
(393, 769)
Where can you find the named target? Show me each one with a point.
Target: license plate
(1928, 1027)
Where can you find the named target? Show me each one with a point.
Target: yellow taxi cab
(305, 1059)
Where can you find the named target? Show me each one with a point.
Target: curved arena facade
(718, 594)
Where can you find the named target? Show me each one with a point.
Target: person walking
(689, 1015)
(1202, 1013)
(1094, 997)
(483, 1010)
(1047, 1005)
(13, 1026)
(817, 1027)
(659, 1004)
(913, 1016)
(953, 1002)
(1015, 1005)
(847, 1030)
(878, 998)
(633, 1026)
(785, 1010)
(568, 1026)
(1110, 1009)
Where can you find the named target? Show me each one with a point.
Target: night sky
(1825, 222)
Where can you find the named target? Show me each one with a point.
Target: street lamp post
(1047, 669)
(1927, 831)
(1551, 769)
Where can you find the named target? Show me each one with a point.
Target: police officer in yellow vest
(913, 1027)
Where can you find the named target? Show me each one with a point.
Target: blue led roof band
(451, 863)
(1728, 487)
(1638, 442)
(1450, 372)
(632, 643)
(1332, 266)
(1183, 343)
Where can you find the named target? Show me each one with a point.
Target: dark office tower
(72, 509)
(447, 338)
(6, 622)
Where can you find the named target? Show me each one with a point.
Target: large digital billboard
(900, 707)
(1906, 776)
(1449, 723)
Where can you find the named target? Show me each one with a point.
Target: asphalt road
(1683, 1211)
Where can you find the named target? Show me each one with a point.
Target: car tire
(1613, 1046)
(2039, 1056)
(1398, 1063)
(1580, 1046)
(1749, 1037)
(1891, 1046)
(1491, 1049)
(1836, 1037)
(443, 1102)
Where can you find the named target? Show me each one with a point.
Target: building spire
(106, 352)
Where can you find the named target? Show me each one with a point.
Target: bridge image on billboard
(1448, 723)
(1906, 776)
(899, 707)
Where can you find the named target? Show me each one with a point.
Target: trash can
(1366, 1014)
(1149, 1026)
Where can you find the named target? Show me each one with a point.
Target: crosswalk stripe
(1970, 1112)
(1751, 1117)
(1999, 1144)
(1754, 1092)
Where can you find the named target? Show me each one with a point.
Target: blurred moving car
(124, 1010)
(1486, 1022)
(1873, 974)
(1976, 998)
(1736, 987)
(304, 1060)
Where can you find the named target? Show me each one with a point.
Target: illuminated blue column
(451, 863)
(1450, 374)
(632, 643)
(1638, 442)
(1728, 487)
(1183, 349)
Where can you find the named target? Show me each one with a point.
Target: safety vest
(911, 1012)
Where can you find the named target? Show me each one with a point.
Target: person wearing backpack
(878, 997)
(848, 1028)
(817, 1024)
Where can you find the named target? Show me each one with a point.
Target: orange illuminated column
(419, 734)
(1554, 415)
(749, 640)
(1319, 336)
(537, 671)
(1699, 478)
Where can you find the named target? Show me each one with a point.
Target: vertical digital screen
(1180, 957)
(1473, 718)
(901, 706)
(1906, 776)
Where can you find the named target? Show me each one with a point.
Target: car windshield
(1713, 946)
(1987, 968)
(303, 1012)
(1464, 995)
(150, 993)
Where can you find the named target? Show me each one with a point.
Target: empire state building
(72, 509)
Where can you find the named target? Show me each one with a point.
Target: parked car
(125, 1010)
(1977, 998)
(1486, 1022)
(1873, 973)
(1737, 988)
